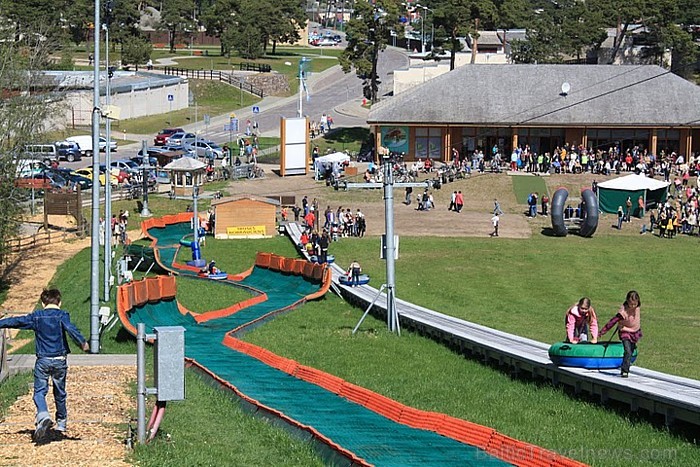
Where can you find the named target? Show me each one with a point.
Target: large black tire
(558, 201)
(590, 204)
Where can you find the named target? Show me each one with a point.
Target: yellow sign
(246, 230)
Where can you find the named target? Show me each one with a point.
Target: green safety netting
(368, 435)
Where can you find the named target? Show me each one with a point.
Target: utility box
(169, 364)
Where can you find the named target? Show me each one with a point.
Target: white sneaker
(60, 426)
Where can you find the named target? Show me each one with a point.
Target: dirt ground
(474, 220)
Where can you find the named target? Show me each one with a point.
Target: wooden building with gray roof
(543, 106)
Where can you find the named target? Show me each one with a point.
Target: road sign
(256, 109)
(171, 97)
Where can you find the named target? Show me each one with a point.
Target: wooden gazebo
(185, 173)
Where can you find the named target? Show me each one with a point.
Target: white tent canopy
(634, 182)
(330, 161)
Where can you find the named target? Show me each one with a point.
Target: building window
(428, 143)
(668, 141)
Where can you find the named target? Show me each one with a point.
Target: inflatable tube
(558, 202)
(590, 206)
(347, 280)
(600, 356)
(216, 277)
(329, 259)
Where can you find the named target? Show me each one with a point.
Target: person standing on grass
(50, 326)
(628, 320)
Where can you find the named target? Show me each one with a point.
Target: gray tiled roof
(529, 95)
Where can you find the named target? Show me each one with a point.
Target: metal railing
(216, 75)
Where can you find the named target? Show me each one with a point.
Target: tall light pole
(95, 247)
(108, 184)
(422, 23)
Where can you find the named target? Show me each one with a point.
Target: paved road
(332, 92)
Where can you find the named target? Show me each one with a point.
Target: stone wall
(274, 84)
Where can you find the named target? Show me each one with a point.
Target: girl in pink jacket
(630, 328)
(581, 321)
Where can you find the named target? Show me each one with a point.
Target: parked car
(84, 182)
(53, 152)
(153, 161)
(182, 137)
(84, 142)
(208, 149)
(125, 165)
(326, 42)
(151, 151)
(87, 173)
(163, 135)
(47, 178)
(179, 148)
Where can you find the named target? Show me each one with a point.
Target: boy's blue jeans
(57, 369)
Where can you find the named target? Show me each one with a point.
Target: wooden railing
(259, 67)
(223, 76)
(43, 238)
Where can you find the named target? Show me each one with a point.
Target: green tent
(614, 193)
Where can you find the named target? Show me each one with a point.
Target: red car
(163, 135)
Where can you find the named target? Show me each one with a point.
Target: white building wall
(135, 103)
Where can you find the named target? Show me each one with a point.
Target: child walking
(50, 326)
(630, 328)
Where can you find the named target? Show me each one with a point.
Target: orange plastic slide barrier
(498, 445)
(149, 289)
(297, 267)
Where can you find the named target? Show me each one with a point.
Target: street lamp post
(422, 23)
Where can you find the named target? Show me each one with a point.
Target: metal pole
(195, 220)
(145, 212)
(422, 34)
(108, 184)
(392, 317)
(95, 247)
(141, 382)
(301, 87)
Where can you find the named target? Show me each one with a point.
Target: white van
(85, 143)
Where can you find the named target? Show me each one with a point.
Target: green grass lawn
(524, 185)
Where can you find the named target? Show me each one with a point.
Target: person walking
(497, 208)
(50, 326)
(495, 220)
(629, 328)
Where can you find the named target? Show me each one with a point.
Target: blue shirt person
(50, 326)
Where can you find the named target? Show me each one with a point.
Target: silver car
(181, 138)
(207, 149)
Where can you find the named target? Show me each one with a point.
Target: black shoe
(41, 428)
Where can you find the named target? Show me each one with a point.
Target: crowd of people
(321, 126)
(579, 159)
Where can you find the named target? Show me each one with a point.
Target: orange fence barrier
(496, 444)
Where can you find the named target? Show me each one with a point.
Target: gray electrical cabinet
(169, 364)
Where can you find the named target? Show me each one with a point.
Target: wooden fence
(223, 76)
(43, 238)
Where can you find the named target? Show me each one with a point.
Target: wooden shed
(245, 216)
